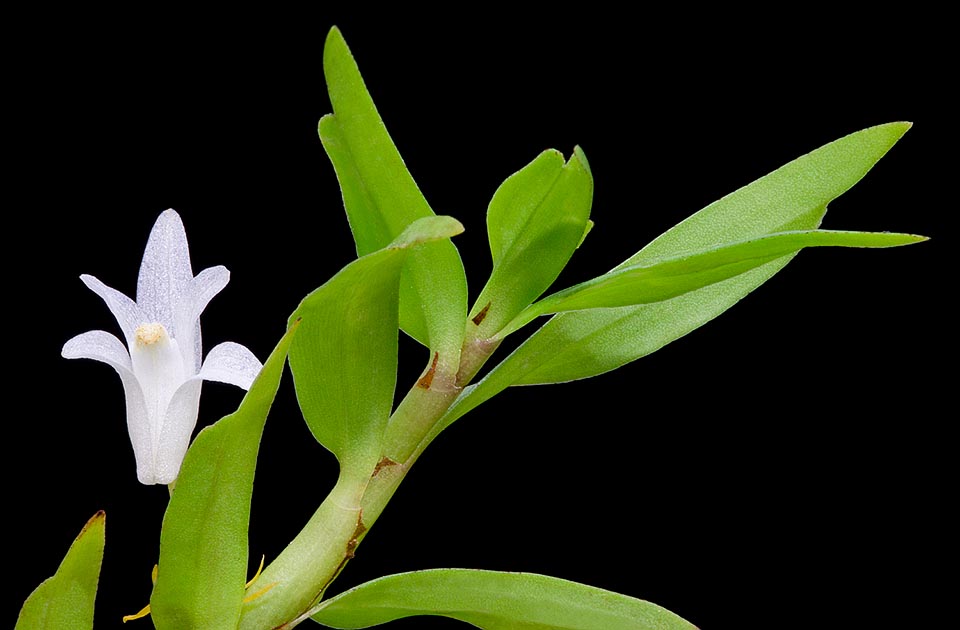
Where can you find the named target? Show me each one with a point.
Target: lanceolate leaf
(382, 199)
(203, 543)
(494, 601)
(644, 283)
(344, 359)
(586, 343)
(535, 221)
(65, 601)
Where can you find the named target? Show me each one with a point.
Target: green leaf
(203, 542)
(495, 601)
(65, 601)
(535, 221)
(344, 359)
(645, 283)
(382, 199)
(586, 343)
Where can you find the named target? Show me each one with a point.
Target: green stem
(302, 571)
(298, 577)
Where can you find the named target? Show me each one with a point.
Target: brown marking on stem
(385, 462)
(481, 315)
(355, 537)
(427, 379)
(323, 588)
(349, 553)
(361, 527)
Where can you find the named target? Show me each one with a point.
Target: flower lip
(160, 367)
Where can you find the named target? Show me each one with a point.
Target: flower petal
(102, 346)
(98, 345)
(125, 310)
(231, 363)
(138, 426)
(207, 284)
(181, 418)
(165, 272)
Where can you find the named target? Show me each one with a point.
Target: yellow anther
(153, 574)
(139, 615)
(257, 574)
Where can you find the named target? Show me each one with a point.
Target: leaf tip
(294, 319)
(334, 46)
(98, 519)
(581, 157)
(427, 229)
(900, 127)
(334, 34)
(898, 239)
(325, 121)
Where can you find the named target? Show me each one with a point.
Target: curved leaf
(382, 199)
(203, 543)
(535, 221)
(344, 359)
(647, 283)
(66, 600)
(495, 601)
(586, 343)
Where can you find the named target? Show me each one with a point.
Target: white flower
(162, 370)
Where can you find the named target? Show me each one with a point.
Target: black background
(786, 465)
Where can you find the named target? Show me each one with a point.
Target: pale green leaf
(344, 359)
(65, 601)
(382, 199)
(535, 221)
(203, 542)
(586, 343)
(645, 283)
(494, 600)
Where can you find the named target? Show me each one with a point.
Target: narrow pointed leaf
(66, 600)
(382, 199)
(647, 283)
(344, 359)
(535, 221)
(494, 600)
(586, 343)
(203, 543)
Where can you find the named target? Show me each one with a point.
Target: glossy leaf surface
(382, 199)
(203, 543)
(495, 601)
(66, 600)
(344, 359)
(535, 221)
(586, 343)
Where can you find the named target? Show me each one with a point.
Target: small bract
(161, 367)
